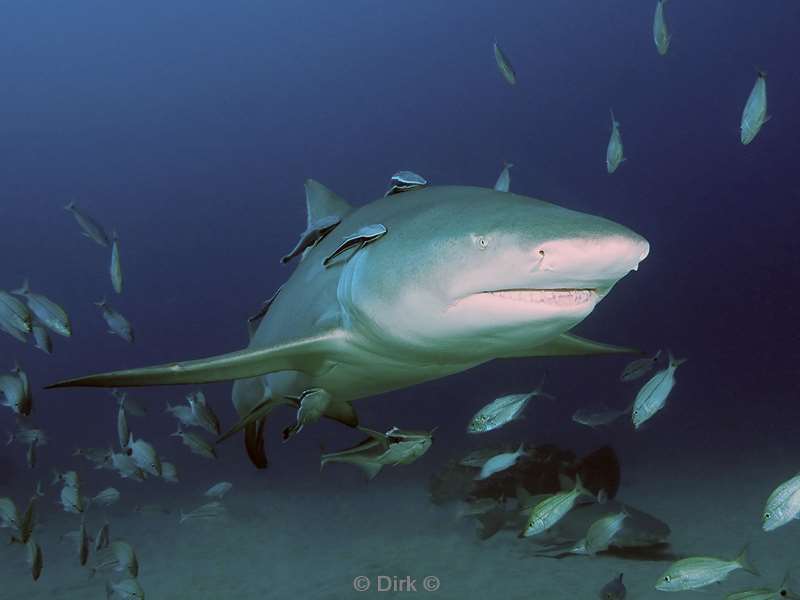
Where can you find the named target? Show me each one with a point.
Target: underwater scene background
(189, 128)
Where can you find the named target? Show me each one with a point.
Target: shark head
(481, 274)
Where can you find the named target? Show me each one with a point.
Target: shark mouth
(554, 297)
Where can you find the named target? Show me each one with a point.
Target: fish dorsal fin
(568, 344)
(322, 202)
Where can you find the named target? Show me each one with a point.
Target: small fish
(50, 314)
(71, 500)
(597, 417)
(15, 314)
(219, 490)
(106, 497)
(26, 435)
(42, 339)
(102, 540)
(503, 183)
(639, 368)
(35, 558)
(17, 391)
(117, 324)
(661, 36)
(203, 414)
(123, 431)
(614, 152)
(314, 233)
(478, 507)
(116, 267)
(26, 523)
(132, 407)
(13, 332)
(504, 65)
(783, 505)
(700, 571)
(127, 589)
(755, 114)
(766, 593)
(501, 462)
(356, 241)
(212, 510)
(404, 181)
(91, 229)
(126, 466)
(100, 457)
(30, 455)
(68, 478)
(613, 590)
(503, 410)
(601, 533)
(652, 397)
(145, 456)
(313, 403)
(118, 556)
(168, 472)
(83, 543)
(151, 509)
(477, 458)
(196, 444)
(552, 509)
(183, 414)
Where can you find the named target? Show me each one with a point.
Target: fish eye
(482, 243)
(667, 578)
(767, 516)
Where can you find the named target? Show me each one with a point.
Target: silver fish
(596, 417)
(219, 490)
(27, 523)
(552, 509)
(500, 462)
(35, 558)
(614, 590)
(14, 313)
(83, 543)
(196, 444)
(601, 533)
(699, 571)
(614, 152)
(30, 455)
(118, 556)
(168, 472)
(203, 414)
(13, 332)
(212, 510)
(503, 183)
(91, 229)
(127, 589)
(652, 397)
(17, 391)
(145, 456)
(100, 457)
(9, 515)
(117, 324)
(42, 339)
(68, 478)
(504, 65)
(503, 410)
(661, 36)
(102, 539)
(50, 314)
(106, 497)
(126, 466)
(783, 505)
(755, 114)
(639, 368)
(123, 431)
(116, 267)
(477, 458)
(132, 407)
(26, 435)
(183, 414)
(71, 500)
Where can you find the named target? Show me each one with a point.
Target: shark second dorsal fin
(322, 202)
(305, 355)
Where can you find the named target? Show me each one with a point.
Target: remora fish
(117, 324)
(50, 314)
(429, 299)
(504, 65)
(91, 229)
(661, 36)
(755, 114)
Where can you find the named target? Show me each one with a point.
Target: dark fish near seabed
(613, 590)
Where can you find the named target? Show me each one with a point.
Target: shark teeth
(564, 297)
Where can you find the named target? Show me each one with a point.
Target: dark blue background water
(190, 128)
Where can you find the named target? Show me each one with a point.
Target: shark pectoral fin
(568, 344)
(305, 355)
(254, 443)
(342, 412)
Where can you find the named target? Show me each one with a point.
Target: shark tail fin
(305, 355)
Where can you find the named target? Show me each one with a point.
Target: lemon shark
(408, 288)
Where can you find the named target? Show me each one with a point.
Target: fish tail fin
(23, 289)
(69, 205)
(675, 362)
(743, 560)
(102, 303)
(614, 121)
(10, 438)
(580, 489)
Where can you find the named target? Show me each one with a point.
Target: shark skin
(462, 276)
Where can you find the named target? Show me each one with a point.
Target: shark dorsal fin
(322, 202)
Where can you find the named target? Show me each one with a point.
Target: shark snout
(592, 261)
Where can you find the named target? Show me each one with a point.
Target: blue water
(189, 127)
